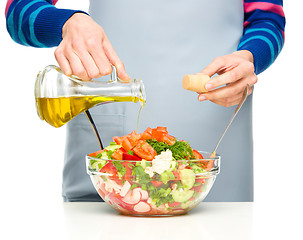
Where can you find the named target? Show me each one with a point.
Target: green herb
(120, 168)
(197, 184)
(167, 176)
(164, 177)
(171, 176)
(196, 168)
(143, 186)
(142, 177)
(130, 152)
(109, 154)
(180, 149)
(160, 195)
(97, 164)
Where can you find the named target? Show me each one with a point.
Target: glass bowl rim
(213, 171)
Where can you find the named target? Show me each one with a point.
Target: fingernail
(208, 86)
(201, 98)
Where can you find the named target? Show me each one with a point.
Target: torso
(160, 42)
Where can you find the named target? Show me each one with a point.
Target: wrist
(245, 54)
(73, 18)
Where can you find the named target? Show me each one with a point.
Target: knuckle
(80, 73)
(93, 73)
(58, 51)
(228, 101)
(226, 104)
(255, 79)
(234, 74)
(106, 71)
(250, 67)
(119, 64)
(250, 91)
(77, 45)
(218, 60)
(91, 42)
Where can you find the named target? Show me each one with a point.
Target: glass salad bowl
(140, 188)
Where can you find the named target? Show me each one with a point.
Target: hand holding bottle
(85, 51)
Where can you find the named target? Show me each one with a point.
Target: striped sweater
(39, 23)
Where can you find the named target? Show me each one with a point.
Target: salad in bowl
(152, 173)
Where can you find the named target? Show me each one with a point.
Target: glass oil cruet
(59, 98)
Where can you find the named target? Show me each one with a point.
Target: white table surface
(233, 219)
(56, 220)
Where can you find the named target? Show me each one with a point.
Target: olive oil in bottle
(59, 110)
(59, 98)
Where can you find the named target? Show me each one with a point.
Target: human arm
(38, 23)
(261, 43)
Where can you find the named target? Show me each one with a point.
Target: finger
(63, 62)
(231, 76)
(226, 96)
(229, 103)
(77, 66)
(115, 60)
(217, 65)
(89, 64)
(228, 92)
(97, 53)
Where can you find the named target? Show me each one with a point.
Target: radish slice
(132, 197)
(144, 194)
(125, 188)
(142, 207)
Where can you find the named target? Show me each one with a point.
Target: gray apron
(160, 42)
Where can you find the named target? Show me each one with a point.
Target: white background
(32, 151)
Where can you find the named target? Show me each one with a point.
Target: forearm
(36, 23)
(263, 31)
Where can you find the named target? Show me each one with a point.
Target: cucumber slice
(186, 205)
(182, 196)
(188, 178)
(104, 155)
(112, 147)
(97, 165)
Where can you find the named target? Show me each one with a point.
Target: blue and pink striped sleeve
(36, 23)
(263, 36)
(39, 23)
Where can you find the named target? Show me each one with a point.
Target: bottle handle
(114, 77)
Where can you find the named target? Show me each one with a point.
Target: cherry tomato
(197, 154)
(117, 140)
(177, 175)
(96, 153)
(133, 138)
(126, 144)
(174, 204)
(128, 173)
(102, 191)
(127, 156)
(118, 154)
(161, 129)
(197, 188)
(157, 183)
(148, 130)
(146, 136)
(144, 150)
(110, 169)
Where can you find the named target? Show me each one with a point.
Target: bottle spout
(138, 91)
